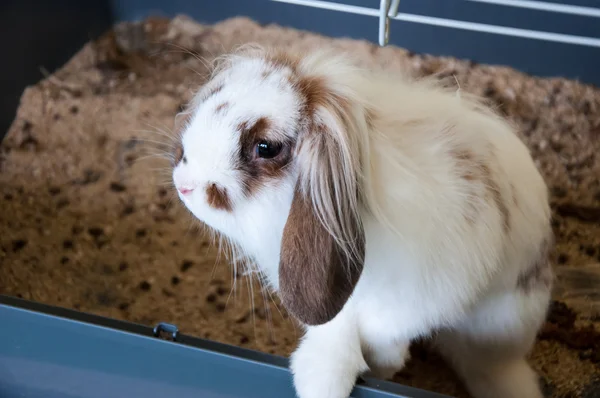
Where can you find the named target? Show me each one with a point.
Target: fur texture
(392, 209)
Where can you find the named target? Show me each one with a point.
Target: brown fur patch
(258, 129)
(370, 117)
(222, 107)
(315, 278)
(494, 191)
(215, 90)
(513, 192)
(314, 92)
(475, 171)
(284, 60)
(266, 73)
(217, 197)
(540, 274)
(257, 171)
(243, 126)
(467, 161)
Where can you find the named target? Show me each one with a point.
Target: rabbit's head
(272, 139)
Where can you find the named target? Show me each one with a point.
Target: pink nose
(185, 191)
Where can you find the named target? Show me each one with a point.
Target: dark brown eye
(268, 150)
(184, 160)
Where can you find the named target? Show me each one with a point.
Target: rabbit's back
(457, 208)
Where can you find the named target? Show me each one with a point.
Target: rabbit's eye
(268, 150)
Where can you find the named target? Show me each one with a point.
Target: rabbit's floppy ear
(323, 245)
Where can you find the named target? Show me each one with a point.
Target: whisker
(171, 146)
(154, 156)
(232, 291)
(252, 305)
(158, 144)
(281, 314)
(157, 149)
(160, 133)
(232, 247)
(162, 173)
(267, 310)
(214, 270)
(166, 183)
(202, 76)
(165, 130)
(188, 51)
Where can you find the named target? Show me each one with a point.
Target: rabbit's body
(453, 234)
(470, 220)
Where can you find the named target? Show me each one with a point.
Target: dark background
(38, 33)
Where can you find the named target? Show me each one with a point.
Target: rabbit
(380, 208)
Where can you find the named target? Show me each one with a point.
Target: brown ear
(316, 277)
(323, 243)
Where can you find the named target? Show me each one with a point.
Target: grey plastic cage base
(53, 352)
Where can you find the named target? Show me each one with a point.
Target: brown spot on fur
(258, 129)
(214, 91)
(314, 92)
(466, 160)
(474, 170)
(222, 107)
(243, 126)
(540, 273)
(257, 171)
(370, 117)
(284, 60)
(316, 95)
(494, 191)
(467, 166)
(217, 197)
(316, 279)
(464, 155)
(266, 73)
(468, 175)
(513, 192)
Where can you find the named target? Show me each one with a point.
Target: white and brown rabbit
(380, 209)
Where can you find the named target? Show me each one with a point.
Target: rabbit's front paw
(326, 368)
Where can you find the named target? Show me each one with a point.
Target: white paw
(325, 384)
(325, 373)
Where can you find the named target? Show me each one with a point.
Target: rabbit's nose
(185, 190)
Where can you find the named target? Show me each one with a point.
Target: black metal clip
(166, 328)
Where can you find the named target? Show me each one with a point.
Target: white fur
(428, 272)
